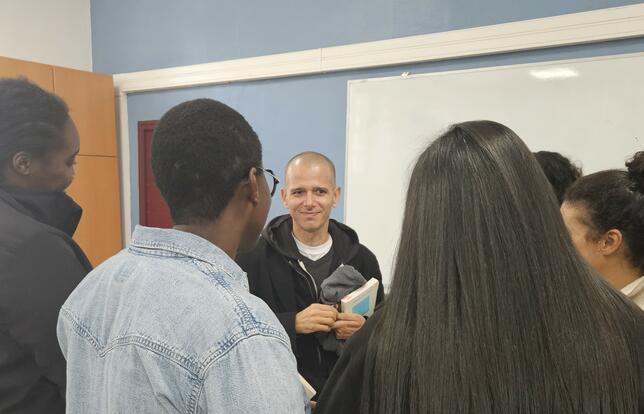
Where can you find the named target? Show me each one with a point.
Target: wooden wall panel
(96, 189)
(41, 75)
(90, 97)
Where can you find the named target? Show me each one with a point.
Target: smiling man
(297, 252)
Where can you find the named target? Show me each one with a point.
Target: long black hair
(614, 199)
(491, 308)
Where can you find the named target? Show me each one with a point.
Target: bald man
(297, 252)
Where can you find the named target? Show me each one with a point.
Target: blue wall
(298, 113)
(151, 34)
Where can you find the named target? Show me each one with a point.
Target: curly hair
(615, 200)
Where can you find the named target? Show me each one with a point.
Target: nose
(309, 199)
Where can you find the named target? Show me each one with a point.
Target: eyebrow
(303, 189)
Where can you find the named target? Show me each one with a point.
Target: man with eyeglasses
(297, 252)
(168, 325)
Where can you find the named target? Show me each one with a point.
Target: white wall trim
(124, 150)
(569, 29)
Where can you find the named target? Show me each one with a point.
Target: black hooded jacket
(40, 265)
(275, 275)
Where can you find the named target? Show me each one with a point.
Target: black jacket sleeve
(43, 273)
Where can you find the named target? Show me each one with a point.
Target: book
(361, 301)
(308, 388)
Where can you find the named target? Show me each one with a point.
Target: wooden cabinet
(41, 75)
(90, 97)
(96, 187)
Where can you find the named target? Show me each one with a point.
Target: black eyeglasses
(272, 174)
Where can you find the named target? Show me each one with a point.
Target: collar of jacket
(278, 234)
(171, 242)
(55, 209)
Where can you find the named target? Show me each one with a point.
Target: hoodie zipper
(304, 277)
(315, 286)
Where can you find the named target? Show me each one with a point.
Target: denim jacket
(168, 326)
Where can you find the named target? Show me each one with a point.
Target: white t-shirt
(635, 291)
(314, 252)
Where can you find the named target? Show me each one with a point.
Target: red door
(153, 211)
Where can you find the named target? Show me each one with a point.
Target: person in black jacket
(40, 264)
(296, 252)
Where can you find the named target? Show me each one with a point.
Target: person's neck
(221, 233)
(621, 273)
(312, 238)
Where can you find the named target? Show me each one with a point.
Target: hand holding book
(347, 324)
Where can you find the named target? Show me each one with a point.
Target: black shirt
(320, 269)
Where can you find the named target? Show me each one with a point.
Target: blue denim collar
(171, 242)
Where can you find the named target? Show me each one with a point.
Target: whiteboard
(591, 110)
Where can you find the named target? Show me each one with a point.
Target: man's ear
(253, 186)
(336, 195)
(284, 194)
(610, 242)
(21, 163)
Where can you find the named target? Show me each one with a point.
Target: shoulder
(366, 254)
(44, 255)
(199, 310)
(255, 254)
(366, 263)
(17, 228)
(262, 260)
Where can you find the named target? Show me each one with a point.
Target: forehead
(70, 135)
(303, 175)
(575, 216)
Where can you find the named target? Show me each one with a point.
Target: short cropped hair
(201, 150)
(561, 173)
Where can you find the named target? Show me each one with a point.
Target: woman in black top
(491, 309)
(40, 264)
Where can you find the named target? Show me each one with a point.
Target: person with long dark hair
(491, 308)
(604, 213)
(40, 264)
